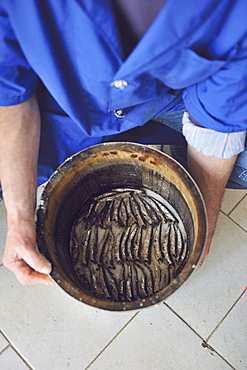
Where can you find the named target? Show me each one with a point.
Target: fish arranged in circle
(128, 245)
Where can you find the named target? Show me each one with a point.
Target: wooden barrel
(98, 170)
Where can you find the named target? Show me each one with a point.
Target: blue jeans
(238, 178)
(167, 130)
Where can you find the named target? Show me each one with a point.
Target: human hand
(18, 172)
(21, 257)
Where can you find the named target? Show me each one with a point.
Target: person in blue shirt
(77, 73)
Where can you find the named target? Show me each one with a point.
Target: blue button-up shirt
(194, 55)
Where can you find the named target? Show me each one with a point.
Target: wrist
(20, 214)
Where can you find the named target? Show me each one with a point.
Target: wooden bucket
(94, 171)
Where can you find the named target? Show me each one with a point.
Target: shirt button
(119, 113)
(119, 84)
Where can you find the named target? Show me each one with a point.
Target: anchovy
(153, 210)
(130, 217)
(136, 244)
(185, 249)
(117, 246)
(105, 247)
(106, 293)
(130, 241)
(146, 245)
(179, 242)
(124, 194)
(84, 247)
(86, 277)
(96, 215)
(153, 203)
(108, 255)
(79, 268)
(113, 261)
(79, 231)
(101, 247)
(149, 279)
(91, 279)
(95, 284)
(74, 247)
(156, 243)
(156, 271)
(103, 197)
(173, 272)
(134, 281)
(102, 220)
(123, 240)
(75, 253)
(90, 212)
(143, 222)
(121, 282)
(128, 291)
(106, 219)
(172, 243)
(115, 210)
(164, 211)
(112, 284)
(136, 212)
(143, 211)
(164, 239)
(93, 243)
(122, 214)
(130, 190)
(163, 277)
(141, 281)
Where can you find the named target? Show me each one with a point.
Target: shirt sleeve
(219, 102)
(213, 143)
(18, 81)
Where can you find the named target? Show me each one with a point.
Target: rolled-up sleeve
(213, 143)
(18, 81)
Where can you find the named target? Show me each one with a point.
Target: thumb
(36, 260)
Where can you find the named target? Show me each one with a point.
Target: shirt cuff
(212, 143)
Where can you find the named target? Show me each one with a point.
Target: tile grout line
(1, 332)
(19, 355)
(109, 343)
(230, 309)
(227, 215)
(240, 226)
(204, 344)
(236, 205)
(183, 320)
(10, 345)
(4, 349)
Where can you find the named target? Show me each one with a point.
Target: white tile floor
(203, 325)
